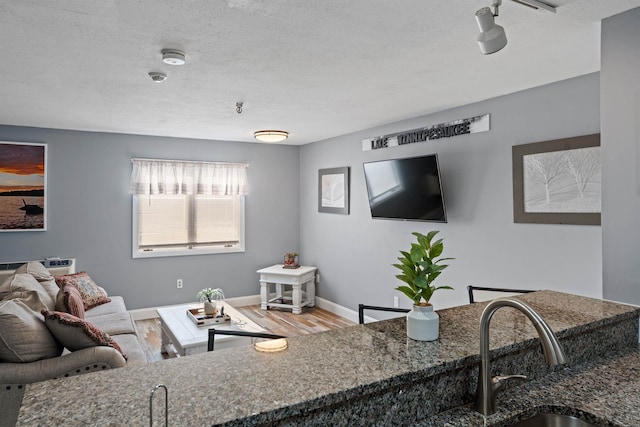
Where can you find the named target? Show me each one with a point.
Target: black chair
(363, 307)
(213, 332)
(471, 289)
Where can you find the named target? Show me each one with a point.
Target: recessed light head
(157, 77)
(271, 135)
(492, 37)
(173, 57)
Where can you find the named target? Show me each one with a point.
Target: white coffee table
(188, 338)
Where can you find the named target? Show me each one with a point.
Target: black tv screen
(405, 189)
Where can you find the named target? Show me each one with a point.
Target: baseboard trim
(151, 313)
(325, 304)
(340, 310)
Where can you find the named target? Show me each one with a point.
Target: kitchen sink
(552, 420)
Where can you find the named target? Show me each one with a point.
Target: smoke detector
(157, 77)
(173, 57)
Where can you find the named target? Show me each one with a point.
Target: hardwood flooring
(281, 322)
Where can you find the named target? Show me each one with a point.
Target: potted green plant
(210, 298)
(420, 267)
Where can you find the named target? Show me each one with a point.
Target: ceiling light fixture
(271, 135)
(492, 37)
(173, 57)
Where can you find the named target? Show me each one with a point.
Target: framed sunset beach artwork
(23, 186)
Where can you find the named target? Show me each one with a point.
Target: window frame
(210, 250)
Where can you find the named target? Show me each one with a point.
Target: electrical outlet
(179, 283)
(395, 302)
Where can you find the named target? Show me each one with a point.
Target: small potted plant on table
(212, 299)
(420, 267)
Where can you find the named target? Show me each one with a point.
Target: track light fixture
(492, 37)
(536, 4)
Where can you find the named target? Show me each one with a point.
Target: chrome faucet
(488, 388)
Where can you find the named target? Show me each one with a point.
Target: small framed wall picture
(333, 190)
(23, 186)
(558, 181)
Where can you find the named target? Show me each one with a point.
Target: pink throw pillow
(75, 333)
(92, 294)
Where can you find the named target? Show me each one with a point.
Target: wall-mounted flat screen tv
(406, 189)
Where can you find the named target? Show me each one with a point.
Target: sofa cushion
(42, 275)
(30, 298)
(37, 270)
(114, 324)
(130, 344)
(75, 333)
(115, 306)
(24, 337)
(24, 282)
(50, 286)
(70, 301)
(92, 294)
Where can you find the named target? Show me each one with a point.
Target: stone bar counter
(374, 375)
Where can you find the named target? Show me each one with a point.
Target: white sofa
(24, 292)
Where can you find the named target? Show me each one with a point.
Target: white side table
(279, 278)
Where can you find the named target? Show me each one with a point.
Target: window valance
(150, 176)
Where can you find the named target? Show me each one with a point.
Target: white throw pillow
(24, 283)
(24, 337)
(42, 275)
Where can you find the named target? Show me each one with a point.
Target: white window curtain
(170, 177)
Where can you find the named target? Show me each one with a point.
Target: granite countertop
(604, 391)
(240, 386)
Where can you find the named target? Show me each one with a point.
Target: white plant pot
(423, 324)
(209, 308)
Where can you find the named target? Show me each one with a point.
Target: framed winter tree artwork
(558, 181)
(333, 190)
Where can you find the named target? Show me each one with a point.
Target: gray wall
(90, 214)
(620, 120)
(90, 209)
(354, 253)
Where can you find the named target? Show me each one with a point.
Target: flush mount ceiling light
(173, 57)
(271, 135)
(492, 37)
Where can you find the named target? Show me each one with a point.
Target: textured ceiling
(314, 68)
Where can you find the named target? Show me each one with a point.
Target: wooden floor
(281, 322)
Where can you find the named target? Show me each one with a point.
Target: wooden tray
(198, 317)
